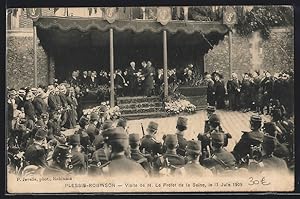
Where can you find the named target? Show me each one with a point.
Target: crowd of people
(145, 80)
(100, 148)
(257, 91)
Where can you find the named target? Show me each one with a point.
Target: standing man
(220, 91)
(233, 90)
(131, 74)
(182, 142)
(148, 82)
(210, 89)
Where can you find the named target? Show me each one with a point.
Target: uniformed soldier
(181, 128)
(61, 162)
(193, 167)
(281, 150)
(120, 165)
(135, 154)
(214, 125)
(271, 163)
(209, 110)
(221, 160)
(92, 129)
(84, 137)
(170, 161)
(79, 159)
(149, 144)
(29, 109)
(248, 139)
(122, 122)
(36, 153)
(39, 104)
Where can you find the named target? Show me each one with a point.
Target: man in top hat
(61, 162)
(79, 159)
(120, 165)
(193, 167)
(219, 88)
(92, 129)
(39, 104)
(36, 153)
(149, 144)
(135, 154)
(253, 137)
(170, 160)
(181, 128)
(220, 160)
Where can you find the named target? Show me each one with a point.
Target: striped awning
(85, 24)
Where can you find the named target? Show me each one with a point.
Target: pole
(165, 51)
(111, 50)
(35, 56)
(230, 52)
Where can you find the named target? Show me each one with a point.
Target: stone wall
(20, 62)
(253, 53)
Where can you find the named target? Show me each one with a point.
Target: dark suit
(148, 82)
(233, 91)
(40, 106)
(132, 81)
(29, 110)
(52, 102)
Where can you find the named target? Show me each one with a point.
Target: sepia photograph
(150, 99)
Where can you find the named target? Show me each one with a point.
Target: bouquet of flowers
(179, 105)
(112, 112)
(140, 77)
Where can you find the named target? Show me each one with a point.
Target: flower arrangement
(179, 106)
(111, 113)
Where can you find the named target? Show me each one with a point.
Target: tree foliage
(263, 18)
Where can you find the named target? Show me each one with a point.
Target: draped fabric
(86, 24)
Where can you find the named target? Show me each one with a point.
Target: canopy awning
(86, 24)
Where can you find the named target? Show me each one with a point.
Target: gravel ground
(232, 122)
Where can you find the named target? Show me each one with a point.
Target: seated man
(220, 160)
(193, 167)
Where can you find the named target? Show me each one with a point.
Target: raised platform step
(134, 116)
(140, 105)
(138, 99)
(142, 110)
